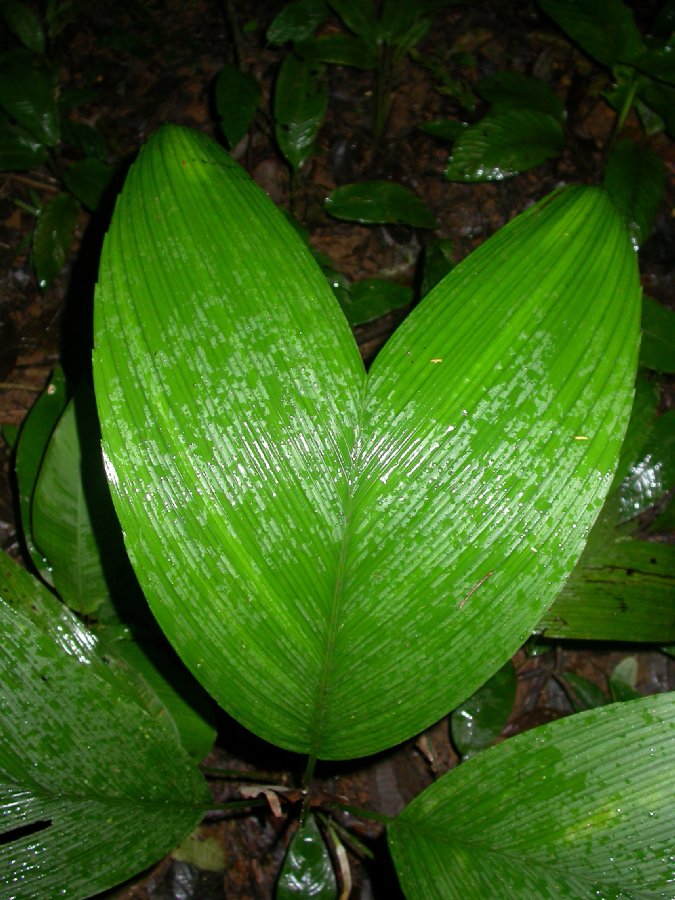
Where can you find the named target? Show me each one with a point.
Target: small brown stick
(475, 588)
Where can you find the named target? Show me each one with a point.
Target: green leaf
(371, 298)
(623, 680)
(581, 807)
(657, 62)
(445, 129)
(27, 96)
(237, 97)
(297, 21)
(93, 788)
(33, 439)
(300, 98)
(583, 694)
(504, 143)
(73, 522)
(89, 180)
(19, 152)
(636, 181)
(53, 237)
(326, 552)
(379, 202)
(21, 19)
(307, 869)
(660, 99)
(652, 473)
(479, 721)
(620, 591)
(604, 28)
(511, 89)
(437, 263)
(344, 50)
(657, 350)
(182, 697)
(359, 17)
(83, 136)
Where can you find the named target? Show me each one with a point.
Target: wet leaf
(657, 350)
(479, 721)
(371, 298)
(652, 474)
(570, 809)
(300, 98)
(53, 237)
(504, 143)
(623, 680)
(291, 559)
(89, 180)
(604, 28)
(511, 89)
(33, 439)
(660, 98)
(93, 788)
(636, 181)
(307, 869)
(27, 96)
(237, 96)
(72, 520)
(583, 694)
(19, 152)
(297, 21)
(379, 202)
(658, 62)
(21, 19)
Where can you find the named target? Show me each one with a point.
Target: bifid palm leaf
(324, 547)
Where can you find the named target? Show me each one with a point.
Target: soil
(155, 62)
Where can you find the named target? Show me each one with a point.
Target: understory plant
(340, 557)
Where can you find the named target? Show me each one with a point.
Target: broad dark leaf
(636, 180)
(371, 298)
(53, 237)
(307, 869)
(89, 180)
(300, 97)
(657, 350)
(297, 21)
(19, 152)
(504, 143)
(237, 96)
(604, 28)
(27, 96)
(479, 721)
(581, 807)
(520, 92)
(92, 788)
(379, 202)
(21, 19)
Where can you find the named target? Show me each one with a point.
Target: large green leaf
(73, 523)
(339, 560)
(505, 142)
(92, 787)
(582, 807)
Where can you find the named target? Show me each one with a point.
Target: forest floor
(156, 62)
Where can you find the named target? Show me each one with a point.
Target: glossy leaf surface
(652, 474)
(504, 143)
(379, 202)
(237, 96)
(53, 237)
(21, 19)
(657, 350)
(92, 788)
(27, 96)
(344, 50)
(635, 180)
(307, 869)
(32, 443)
(604, 28)
(324, 550)
(572, 809)
(300, 97)
(371, 298)
(479, 721)
(72, 520)
(583, 694)
(358, 17)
